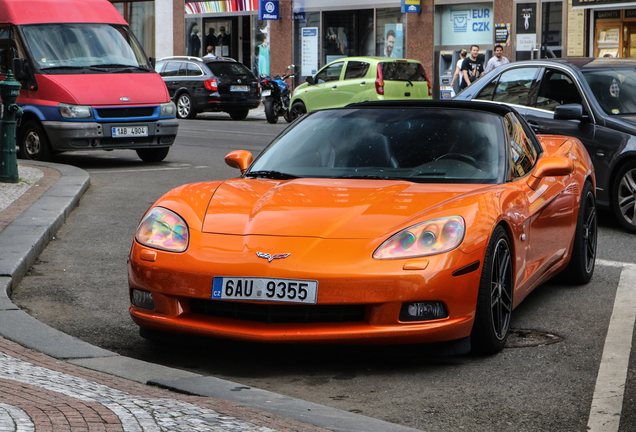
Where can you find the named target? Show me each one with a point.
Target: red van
(86, 82)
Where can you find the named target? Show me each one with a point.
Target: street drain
(519, 338)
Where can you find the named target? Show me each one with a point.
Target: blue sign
(410, 6)
(268, 10)
(300, 16)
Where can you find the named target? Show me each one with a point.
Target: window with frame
(356, 69)
(194, 70)
(556, 89)
(10, 48)
(514, 86)
(330, 73)
(172, 69)
(523, 154)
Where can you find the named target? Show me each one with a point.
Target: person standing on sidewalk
(471, 68)
(497, 60)
(458, 69)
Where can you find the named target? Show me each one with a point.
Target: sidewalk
(50, 381)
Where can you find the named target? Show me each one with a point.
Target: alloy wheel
(627, 196)
(501, 289)
(184, 106)
(32, 144)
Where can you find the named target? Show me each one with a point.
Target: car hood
(324, 208)
(104, 89)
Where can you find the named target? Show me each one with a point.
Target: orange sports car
(379, 223)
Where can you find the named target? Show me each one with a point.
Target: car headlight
(163, 229)
(75, 111)
(168, 109)
(427, 238)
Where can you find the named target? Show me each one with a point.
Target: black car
(209, 84)
(592, 99)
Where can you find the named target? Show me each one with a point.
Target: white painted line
(607, 403)
(136, 170)
(619, 264)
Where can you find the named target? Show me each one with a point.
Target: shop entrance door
(539, 29)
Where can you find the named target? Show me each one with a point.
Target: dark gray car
(209, 84)
(592, 99)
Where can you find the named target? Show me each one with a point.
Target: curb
(22, 242)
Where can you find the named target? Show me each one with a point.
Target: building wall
(420, 39)
(164, 40)
(178, 27)
(281, 37)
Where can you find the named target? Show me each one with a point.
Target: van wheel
(239, 114)
(185, 108)
(153, 155)
(34, 144)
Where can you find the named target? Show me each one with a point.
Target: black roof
(495, 108)
(587, 63)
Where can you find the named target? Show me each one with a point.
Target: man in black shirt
(471, 68)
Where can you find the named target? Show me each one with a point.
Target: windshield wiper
(119, 66)
(275, 175)
(93, 68)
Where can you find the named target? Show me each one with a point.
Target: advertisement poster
(502, 34)
(526, 18)
(393, 41)
(309, 65)
(467, 24)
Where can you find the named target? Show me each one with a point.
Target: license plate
(265, 289)
(240, 88)
(266, 92)
(125, 131)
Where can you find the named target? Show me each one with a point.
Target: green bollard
(9, 91)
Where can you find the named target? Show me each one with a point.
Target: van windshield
(96, 47)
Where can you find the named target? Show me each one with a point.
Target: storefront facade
(612, 26)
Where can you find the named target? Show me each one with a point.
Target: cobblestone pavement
(38, 393)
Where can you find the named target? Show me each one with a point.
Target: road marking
(136, 170)
(607, 402)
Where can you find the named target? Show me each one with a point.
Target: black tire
(297, 109)
(581, 267)
(623, 197)
(185, 107)
(154, 336)
(153, 155)
(239, 114)
(33, 142)
(269, 111)
(494, 301)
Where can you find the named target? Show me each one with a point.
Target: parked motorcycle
(276, 95)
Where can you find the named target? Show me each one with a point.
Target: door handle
(363, 83)
(334, 87)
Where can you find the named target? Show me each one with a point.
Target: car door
(324, 93)
(557, 87)
(352, 87)
(170, 75)
(550, 210)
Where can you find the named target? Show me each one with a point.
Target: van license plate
(240, 88)
(265, 289)
(127, 131)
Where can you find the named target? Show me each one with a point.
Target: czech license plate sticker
(266, 92)
(240, 88)
(128, 131)
(265, 289)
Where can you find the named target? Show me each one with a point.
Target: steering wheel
(461, 157)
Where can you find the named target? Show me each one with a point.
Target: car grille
(125, 112)
(278, 314)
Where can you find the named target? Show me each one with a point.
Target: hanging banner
(410, 6)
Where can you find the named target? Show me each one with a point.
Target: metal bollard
(9, 91)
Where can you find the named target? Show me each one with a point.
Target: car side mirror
(22, 72)
(550, 167)
(153, 62)
(568, 112)
(240, 159)
(310, 80)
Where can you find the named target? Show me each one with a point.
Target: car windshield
(98, 47)
(222, 69)
(426, 145)
(614, 89)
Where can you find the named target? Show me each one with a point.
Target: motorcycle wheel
(270, 114)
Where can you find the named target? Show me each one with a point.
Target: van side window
(356, 69)
(10, 48)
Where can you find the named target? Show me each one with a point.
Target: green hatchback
(360, 79)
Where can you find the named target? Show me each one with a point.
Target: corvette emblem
(269, 257)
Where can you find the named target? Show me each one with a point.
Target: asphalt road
(79, 286)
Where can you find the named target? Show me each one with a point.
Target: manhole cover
(528, 338)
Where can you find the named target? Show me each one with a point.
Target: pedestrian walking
(471, 68)
(497, 60)
(458, 69)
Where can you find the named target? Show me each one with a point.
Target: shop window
(347, 33)
(389, 33)
(140, 16)
(551, 29)
(514, 86)
(307, 44)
